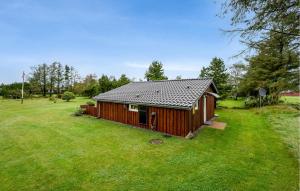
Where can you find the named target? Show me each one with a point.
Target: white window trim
(133, 109)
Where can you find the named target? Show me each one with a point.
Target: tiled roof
(166, 93)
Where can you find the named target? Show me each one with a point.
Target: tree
(104, 83)
(91, 87)
(52, 77)
(67, 77)
(123, 80)
(237, 72)
(275, 68)
(14, 90)
(155, 71)
(204, 72)
(35, 79)
(74, 76)
(217, 71)
(68, 96)
(59, 77)
(178, 77)
(44, 69)
(254, 20)
(270, 29)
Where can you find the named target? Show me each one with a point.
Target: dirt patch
(156, 141)
(218, 125)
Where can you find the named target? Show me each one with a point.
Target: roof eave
(147, 104)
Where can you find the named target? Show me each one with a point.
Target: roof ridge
(206, 78)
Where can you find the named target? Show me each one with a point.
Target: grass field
(231, 103)
(291, 99)
(44, 147)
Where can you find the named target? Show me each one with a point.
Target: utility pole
(23, 76)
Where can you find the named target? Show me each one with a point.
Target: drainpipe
(190, 121)
(190, 135)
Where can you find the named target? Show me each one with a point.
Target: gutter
(147, 104)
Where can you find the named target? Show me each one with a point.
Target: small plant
(90, 103)
(68, 96)
(78, 112)
(59, 96)
(52, 98)
(263, 101)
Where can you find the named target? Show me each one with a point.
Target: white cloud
(169, 66)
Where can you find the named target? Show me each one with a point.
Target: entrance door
(143, 115)
(204, 108)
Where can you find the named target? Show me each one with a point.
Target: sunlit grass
(44, 147)
(291, 99)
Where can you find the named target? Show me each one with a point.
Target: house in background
(175, 107)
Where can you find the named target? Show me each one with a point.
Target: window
(143, 115)
(196, 105)
(134, 108)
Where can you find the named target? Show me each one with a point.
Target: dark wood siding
(168, 120)
(210, 106)
(197, 117)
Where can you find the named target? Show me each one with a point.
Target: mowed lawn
(44, 147)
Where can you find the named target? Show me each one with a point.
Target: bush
(78, 112)
(68, 96)
(263, 101)
(52, 98)
(59, 96)
(36, 96)
(90, 103)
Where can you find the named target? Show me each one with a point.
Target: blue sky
(113, 36)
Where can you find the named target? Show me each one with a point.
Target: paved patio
(217, 125)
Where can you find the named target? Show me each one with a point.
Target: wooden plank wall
(120, 113)
(90, 110)
(210, 106)
(197, 117)
(170, 121)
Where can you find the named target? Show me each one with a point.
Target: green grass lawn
(231, 103)
(291, 99)
(44, 147)
(285, 120)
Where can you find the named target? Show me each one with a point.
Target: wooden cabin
(175, 107)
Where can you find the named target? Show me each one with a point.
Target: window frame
(133, 109)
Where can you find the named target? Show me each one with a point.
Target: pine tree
(44, 75)
(59, 77)
(237, 73)
(218, 72)
(204, 72)
(275, 68)
(155, 72)
(52, 77)
(67, 77)
(123, 80)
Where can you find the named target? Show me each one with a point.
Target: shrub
(52, 98)
(78, 112)
(59, 96)
(68, 96)
(263, 101)
(90, 103)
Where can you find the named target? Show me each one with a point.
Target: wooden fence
(89, 110)
(291, 94)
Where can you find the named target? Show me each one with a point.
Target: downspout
(190, 135)
(190, 121)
